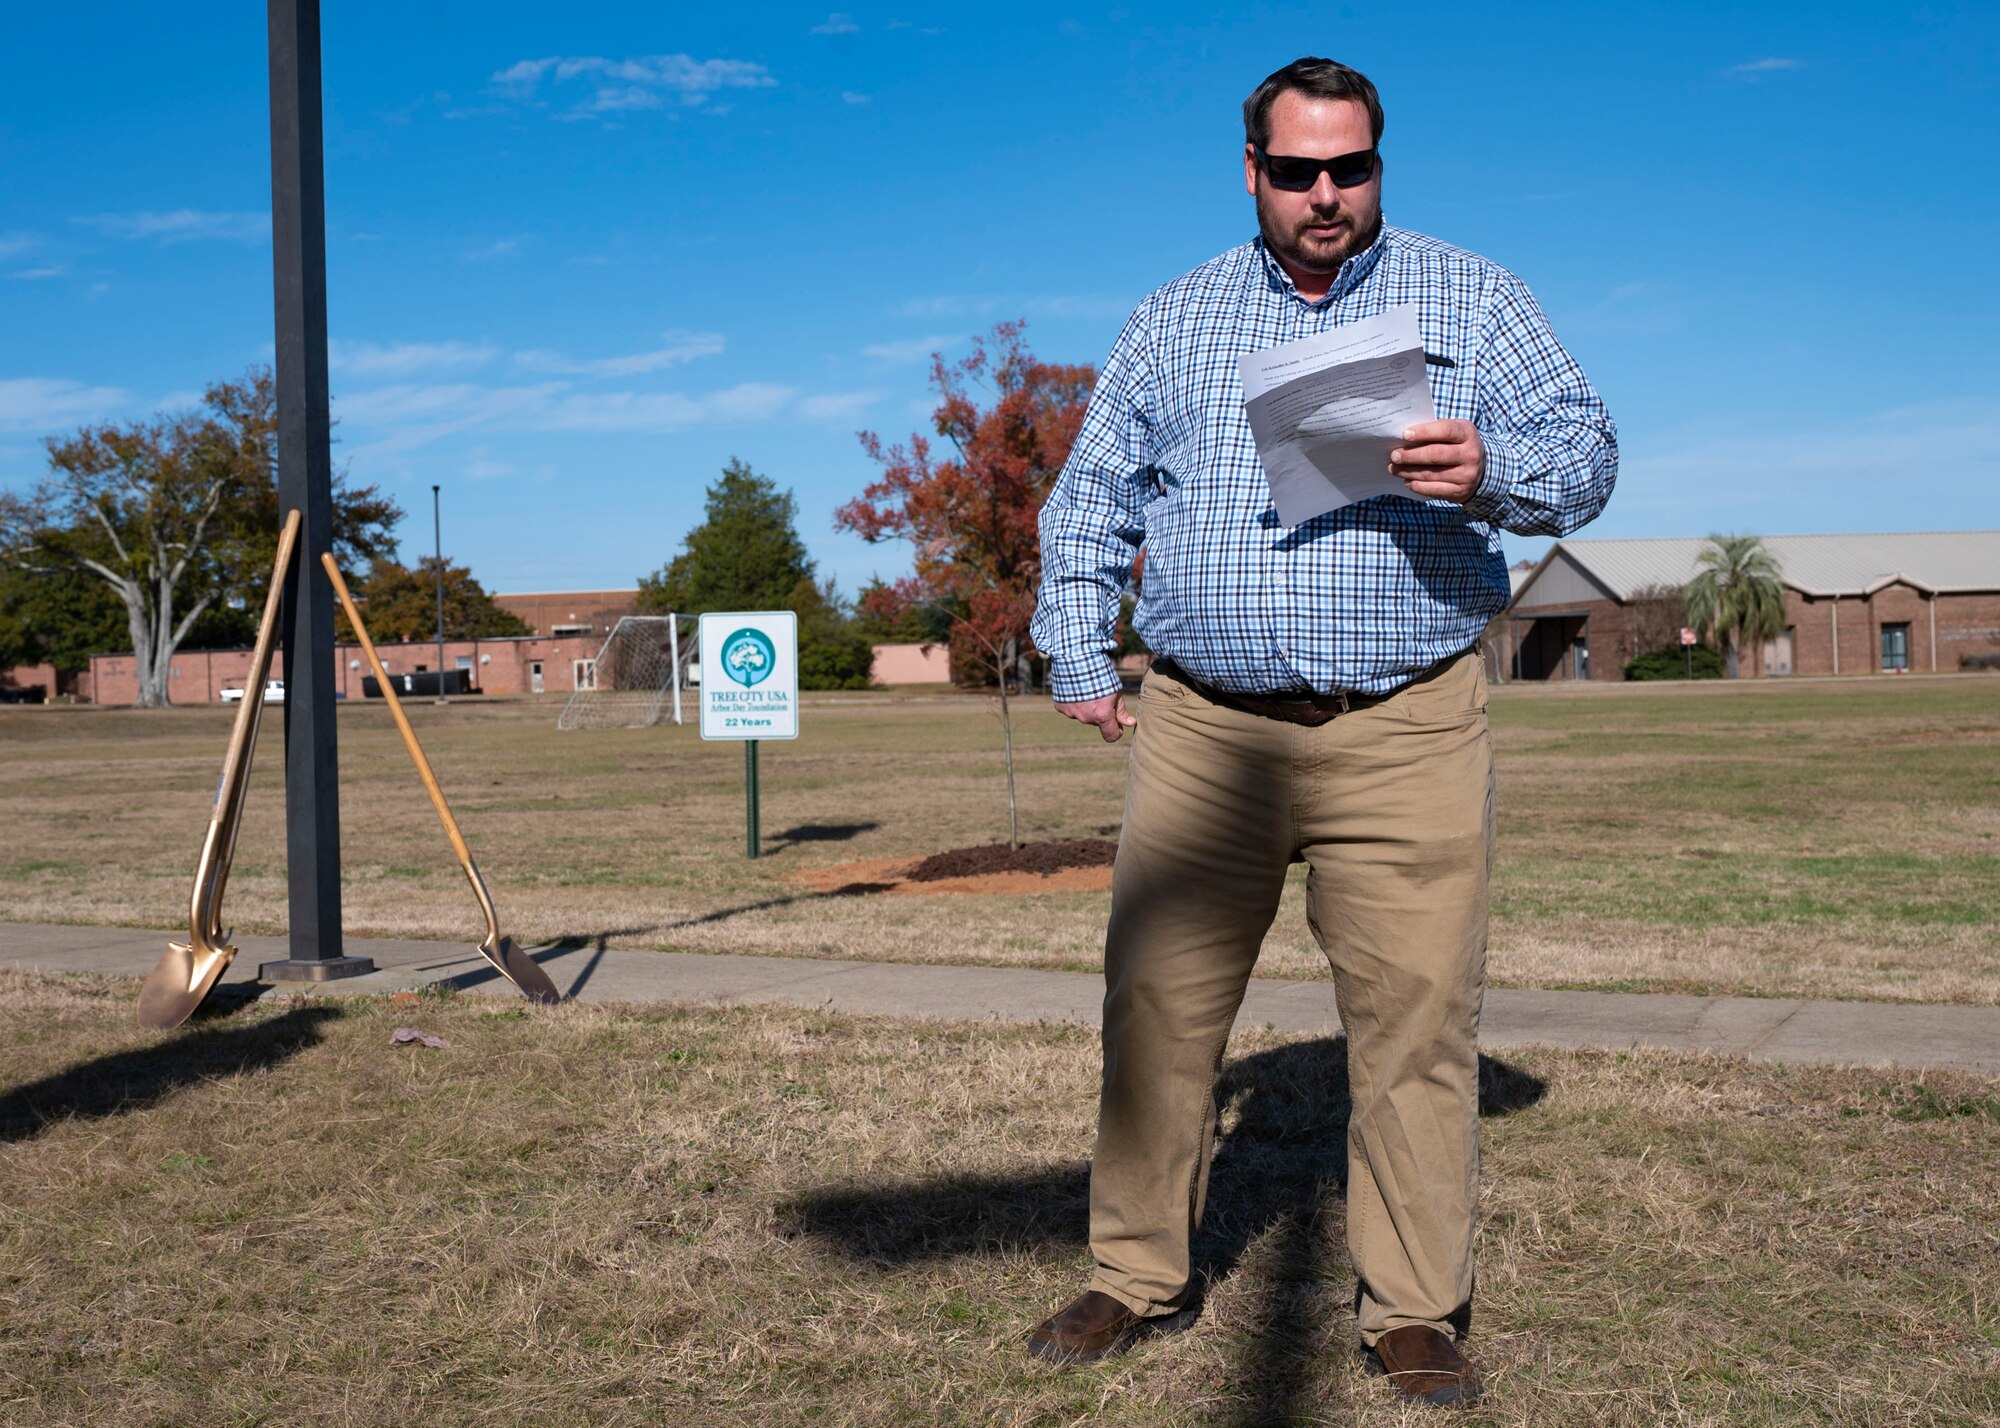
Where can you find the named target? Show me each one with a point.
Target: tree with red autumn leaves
(970, 506)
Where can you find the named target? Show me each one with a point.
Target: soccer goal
(635, 680)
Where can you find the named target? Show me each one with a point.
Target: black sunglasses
(1296, 175)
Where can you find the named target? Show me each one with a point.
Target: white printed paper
(1326, 412)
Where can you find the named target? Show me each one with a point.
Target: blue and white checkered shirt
(1362, 598)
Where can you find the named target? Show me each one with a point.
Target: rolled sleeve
(1551, 447)
(1093, 523)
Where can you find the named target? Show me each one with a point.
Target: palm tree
(1736, 595)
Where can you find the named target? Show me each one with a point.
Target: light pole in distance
(437, 569)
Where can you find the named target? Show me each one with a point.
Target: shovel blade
(180, 983)
(522, 970)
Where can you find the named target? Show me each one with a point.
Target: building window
(463, 661)
(557, 632)
(1895, 648)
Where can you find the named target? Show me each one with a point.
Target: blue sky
(580, 255)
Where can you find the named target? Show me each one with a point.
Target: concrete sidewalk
(1807, 1033)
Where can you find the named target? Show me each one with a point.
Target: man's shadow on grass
(1281, 1170)
(140, 1078)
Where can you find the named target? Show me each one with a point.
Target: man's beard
(1315, 255)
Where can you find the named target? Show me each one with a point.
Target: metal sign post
(750, 691)
(1687, 648)
(305, 483)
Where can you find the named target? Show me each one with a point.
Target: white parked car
(274, 693)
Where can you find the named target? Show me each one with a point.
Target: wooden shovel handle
(402, 720)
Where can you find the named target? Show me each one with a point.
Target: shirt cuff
(1490, 501)
(1080, 680)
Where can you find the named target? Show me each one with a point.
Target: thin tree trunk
(1731, 659)
(1007, 737)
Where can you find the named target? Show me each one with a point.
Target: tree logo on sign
(748, 657)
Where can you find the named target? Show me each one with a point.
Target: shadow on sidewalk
(724, 914)
(143, 1077)
(1281, 1170)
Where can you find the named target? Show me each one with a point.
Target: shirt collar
(1351, 275)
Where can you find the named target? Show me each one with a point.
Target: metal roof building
(1914, 601)
(1819, 565)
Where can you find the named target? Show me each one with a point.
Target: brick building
(1854, 604)
(525, 664)
(571, 614)
(570, 627)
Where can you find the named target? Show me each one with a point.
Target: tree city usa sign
(750, 676)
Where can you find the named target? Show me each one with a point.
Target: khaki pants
(1391, 808)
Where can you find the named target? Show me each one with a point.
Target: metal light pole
(305, 483)
(437, 569)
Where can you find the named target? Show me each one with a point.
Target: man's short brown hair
(1317, 79)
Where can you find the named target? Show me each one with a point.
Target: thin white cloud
(482, 466)
(44, 404)
(1765, 66)
(837, 406)
(915, 349)
(183, 225)
(1632, 309)
(12, 244)
(403, 359)
(850, 97)
(681, 347)
(32, 274)
(402, 417)
(608, 86)
(488, 252)
(838, 23)
(1879, 468)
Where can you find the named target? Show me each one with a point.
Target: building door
(1545, 643)
(1778, 653)
(1580, 666)
(534, 676)
(1895, 649)
(583, 674)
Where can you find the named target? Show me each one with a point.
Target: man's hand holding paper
(1347, 415)
(1440, 460)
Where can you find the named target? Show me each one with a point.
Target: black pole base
(319, 969)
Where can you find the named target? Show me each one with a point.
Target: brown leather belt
(1305, 706)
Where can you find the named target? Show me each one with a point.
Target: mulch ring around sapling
(1042, 858)
(1061, 865)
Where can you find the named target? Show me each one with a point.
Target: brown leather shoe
(1094, 1324)
(1426, 1365)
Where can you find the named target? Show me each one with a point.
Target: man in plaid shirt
(1316, 696)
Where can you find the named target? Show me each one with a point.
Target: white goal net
(635, 680)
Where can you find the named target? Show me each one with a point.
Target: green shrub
(1671, 662)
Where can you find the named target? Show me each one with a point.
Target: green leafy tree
(61, 616)
(178, 517)
(833, 652)
(399, 603)
(746, 555)
(1737, 595)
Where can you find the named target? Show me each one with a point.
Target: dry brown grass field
(612, 1217)
(1818, 839)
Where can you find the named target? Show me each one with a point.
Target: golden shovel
(507, 959)
(189, 969)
